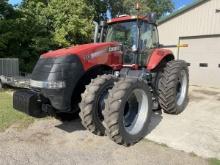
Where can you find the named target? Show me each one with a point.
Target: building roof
(181, 11)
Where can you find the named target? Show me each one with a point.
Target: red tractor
(115, 83)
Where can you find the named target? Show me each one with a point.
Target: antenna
(138, 5)
(138, 8)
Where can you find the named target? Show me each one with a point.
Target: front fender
(157, 56)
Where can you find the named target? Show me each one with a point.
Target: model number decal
(114, 49)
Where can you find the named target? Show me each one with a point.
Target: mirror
(152, 17)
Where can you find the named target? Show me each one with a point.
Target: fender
(157, 56)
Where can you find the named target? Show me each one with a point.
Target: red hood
(78, 50)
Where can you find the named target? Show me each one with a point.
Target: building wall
(201, 20)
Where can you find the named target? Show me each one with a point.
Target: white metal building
(197, 25)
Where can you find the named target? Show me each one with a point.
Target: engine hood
(79, 50)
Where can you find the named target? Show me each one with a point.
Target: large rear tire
(128, 111)
(92, 103)
(173, 87)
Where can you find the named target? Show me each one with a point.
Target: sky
(178, 3)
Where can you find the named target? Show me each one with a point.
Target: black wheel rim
(101, 103)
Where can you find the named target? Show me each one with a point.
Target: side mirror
(152, 17)
(103, 25)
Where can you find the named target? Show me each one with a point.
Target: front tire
(128, 111)
(92, 103)
(173, 87)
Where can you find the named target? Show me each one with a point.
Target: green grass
(214, 161)
(8, 116)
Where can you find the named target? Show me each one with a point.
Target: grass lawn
(214, 162)
(8, 116)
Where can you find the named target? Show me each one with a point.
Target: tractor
(114, 84)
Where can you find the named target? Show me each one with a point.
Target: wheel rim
(181, 88)
(135, 112)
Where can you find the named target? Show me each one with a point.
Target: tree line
(37, 26)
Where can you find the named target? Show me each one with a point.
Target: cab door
(149, 40)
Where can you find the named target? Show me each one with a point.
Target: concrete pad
(196, 130)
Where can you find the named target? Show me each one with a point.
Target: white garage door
(203, 56)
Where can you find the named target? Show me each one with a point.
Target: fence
(9, 66)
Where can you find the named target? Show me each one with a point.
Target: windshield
(127, 34)
(124, 32)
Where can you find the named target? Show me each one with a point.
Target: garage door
(203, 56)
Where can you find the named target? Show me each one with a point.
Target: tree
(6, 10)
(161, 7)
(100, 7)
(41, 25)
(71, 21)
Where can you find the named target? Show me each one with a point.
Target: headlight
(48, 84)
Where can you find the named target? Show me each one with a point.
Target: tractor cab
(138, 37)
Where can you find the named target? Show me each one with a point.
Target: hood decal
(96, 54)
(80, 50)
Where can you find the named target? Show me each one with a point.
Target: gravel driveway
(51, 142)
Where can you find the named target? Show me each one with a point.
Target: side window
(149, 36)
(146, 36)
(155, 36)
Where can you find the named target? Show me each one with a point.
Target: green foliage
(214, 161)
(6, 10)
(71, 21)
(37, 26)
(161, 7)
(41, 25)
(100, 7)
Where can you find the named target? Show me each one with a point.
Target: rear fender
(157, 56)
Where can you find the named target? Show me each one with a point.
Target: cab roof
(125, 18)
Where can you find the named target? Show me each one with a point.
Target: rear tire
(92, 103)
(128, 111)
(173, 87)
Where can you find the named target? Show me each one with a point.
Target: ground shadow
(71, 126)
(75, 124)
(155, 120)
